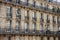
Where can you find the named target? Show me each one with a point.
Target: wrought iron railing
(28, 5)
(28, 32)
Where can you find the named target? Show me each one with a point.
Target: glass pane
(33, 14)
(34, 26)
(59, 27)
(8, 9)
(26, 25)
(26, 13)
(41, 26)
(34, 38)
(17, 38)
(17, 12)
(26, 37)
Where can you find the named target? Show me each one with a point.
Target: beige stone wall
(17, 37)
(3, 18)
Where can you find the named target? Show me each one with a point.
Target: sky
(57, 0)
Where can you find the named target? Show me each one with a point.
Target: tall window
(54, 28)
(18, 13)
(34, 4)
(34, 14)
(9, 12)
(47, 18)
(41, 5)
(58, 20)
(26, 13)
(26, 38)
(17, 25)
(58, 10)
(9, 0)
(41, 17)
(26, 2)
(9, 22)
(26, 26)
(49, 0)
(8, 38)
(41, 27)
(34, 26)
(34, 38)
(17, 38)
(18, 1)
(59, 28)
(54, 19)
(48, 27)
(46, 8)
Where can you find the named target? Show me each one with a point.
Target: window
(54, 9)
(26, 26)
(58, 20)
(41, 5)
(34, 14)
(18, 14)
(58, 10)
(34, 38)
(41, 27)
(34, 4)
(59, 28)
(41, 17)
(26, 1)
(48, 20)
(18, 1)
(34, 26)
(8, 23)
(8, 27)
(54, 19)
(26, 37)
(26, 13)
(17, 25)
(17, 38)
(48, 38)
(46, 7)
(49, 0)
(8, 38)
(48, 27)
(9, 11)
(9, 0)
(54, 28)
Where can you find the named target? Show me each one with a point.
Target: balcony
(58, 32)
(18, 17)
(9, 16)
(54, 22)
(48, 32)
(5, 31)
(34, 19)
(26, 17)
(28, 5)
(48, 21)
(41, 20)
(58, 22)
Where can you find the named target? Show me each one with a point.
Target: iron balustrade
(41, 20)
(27, 17)
(18, 17)
(54, 21)
(58, 22)
(34, 19)
(28, 5)
(28, 32)
(48, 21)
